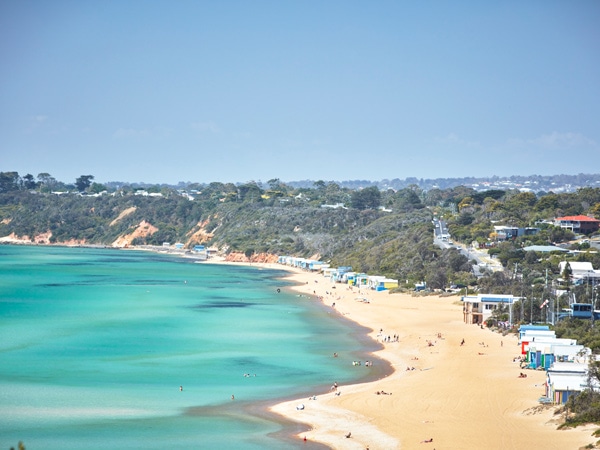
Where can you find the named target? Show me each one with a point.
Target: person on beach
(180, 388)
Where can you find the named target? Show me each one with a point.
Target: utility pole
(546, 292)
(593, 300)
(531, 306)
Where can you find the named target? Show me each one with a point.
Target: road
(442, 239)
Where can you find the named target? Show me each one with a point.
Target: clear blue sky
(161, 91)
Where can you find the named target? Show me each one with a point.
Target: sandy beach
(441, 394)
(456, 397)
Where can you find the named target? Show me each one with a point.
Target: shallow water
(95, 344)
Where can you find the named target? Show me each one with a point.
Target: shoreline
(457, 397)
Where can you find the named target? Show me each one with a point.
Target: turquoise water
(95, 344)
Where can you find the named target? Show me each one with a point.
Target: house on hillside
(578, 268)
(504, 232)
(581, 272)
(545, 249)
(578, 224)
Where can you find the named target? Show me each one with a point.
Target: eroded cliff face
(122, 215)
(144, 229)
(200, 235)
(39, 239)
(254, 258)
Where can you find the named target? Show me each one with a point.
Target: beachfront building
(359, 280)
(477, 309)
(337, 275)
(545, 352)
(530, 334)
(355, 279)
(525, 328)
(566, 379)
(381, 283)
(317, 266)
(578, 224)
(302, 263)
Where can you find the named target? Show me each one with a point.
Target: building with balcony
(578, 224)
(477, 309)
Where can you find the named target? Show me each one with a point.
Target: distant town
(530, 183)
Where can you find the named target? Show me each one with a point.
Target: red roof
(577, 219)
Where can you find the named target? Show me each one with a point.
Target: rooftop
(579, 218)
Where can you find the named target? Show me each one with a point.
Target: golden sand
(457, 397)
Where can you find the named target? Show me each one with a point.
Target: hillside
(385, 232)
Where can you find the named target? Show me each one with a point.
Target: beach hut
(348, 278)
(545, 351)
(315, 266)
(560, 386)
(534, 357)
(524, 328)
(327, 272)
(337, 274)
(529, 336)
(570, 353)
(548, 358)
(361, 280)
(385, 284)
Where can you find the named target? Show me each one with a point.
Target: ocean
(103, 348)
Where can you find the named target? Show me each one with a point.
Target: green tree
(96, 188)
(83, 182)
(566, 275)
(9, 181)
(46, 182)
(250, 192)
(29, 182)
(367, 198)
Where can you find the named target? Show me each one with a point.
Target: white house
(478, 309)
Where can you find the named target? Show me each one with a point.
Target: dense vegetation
(584, 408)
(386, 232)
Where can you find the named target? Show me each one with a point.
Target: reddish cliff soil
(255, 258)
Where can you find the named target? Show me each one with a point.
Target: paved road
(482, 260)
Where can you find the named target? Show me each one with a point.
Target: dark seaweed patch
(226, 304)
